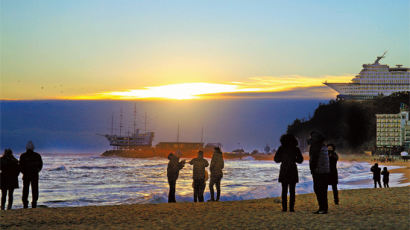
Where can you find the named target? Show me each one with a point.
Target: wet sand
(361, 208)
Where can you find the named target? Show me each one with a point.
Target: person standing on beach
(174, 165)
(9, 167)
(319, 167)
(30, 165)
(199, 164)
(217, 164)
(333, 177)
(288, 154)
(385, 174)
(376, 175)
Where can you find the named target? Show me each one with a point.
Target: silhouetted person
(217, 164)
(385, 174)
(333, 177)
(288, 154)
(174, 165)
(10, 171)
(30, 165)
(319, 167)
(376, 175)
(199, 164)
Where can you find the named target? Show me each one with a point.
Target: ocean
(69, 180)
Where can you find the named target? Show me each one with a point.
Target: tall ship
(374, 80)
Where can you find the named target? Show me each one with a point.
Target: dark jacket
(217, 164)
(199, 168)
(288, 156)
(30, 164)
(376, 172)
(333, 158)
(174, 165)
(10, 171)
(318, 159)
(385, 176)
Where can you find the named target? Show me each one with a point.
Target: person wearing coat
(376, 175)
(385, 174)
(174, 165)
(333, 177)
(10, 171)
(199, 164)
(30, 165)
(288, 154)
(319, 168)
(217, 164)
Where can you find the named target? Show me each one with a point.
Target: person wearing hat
(217, 164)
(10, 171)
(174, 165)
(320, 169)
(199, 164)
(30, 165)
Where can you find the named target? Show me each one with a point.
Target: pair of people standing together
(322, 163)
(30, 165)
(199, 175)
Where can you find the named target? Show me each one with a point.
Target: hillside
(351, 125)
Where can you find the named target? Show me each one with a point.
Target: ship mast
(135, 119)
(120, 121)
(112, 124)
(202, 135)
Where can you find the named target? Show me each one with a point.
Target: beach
(360, 208)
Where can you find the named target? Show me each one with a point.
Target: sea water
(88, 179)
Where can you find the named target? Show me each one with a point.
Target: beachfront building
(393, 130)
(374, 80)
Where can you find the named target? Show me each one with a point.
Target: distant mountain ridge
(350, 125)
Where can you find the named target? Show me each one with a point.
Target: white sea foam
(79, 180)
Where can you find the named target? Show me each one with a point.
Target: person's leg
(375, 183)
(387, 184)
(335, 193)
(218, 188)
(316, 189)
(201, 190)
(292, 197)
(324, 186)
(284, 197)
(3, 198)
(26, 186)
(380, 184)
(34, 192)
(211, 188)
(10, 204)
(196, 190)
(171, 194)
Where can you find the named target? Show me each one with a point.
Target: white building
(374, 80)
(393, 130)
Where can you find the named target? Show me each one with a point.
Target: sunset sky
(188, 49)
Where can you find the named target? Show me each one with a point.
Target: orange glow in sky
(196, 90)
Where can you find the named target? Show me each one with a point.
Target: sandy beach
(362, 208)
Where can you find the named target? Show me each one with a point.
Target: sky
(73, 50)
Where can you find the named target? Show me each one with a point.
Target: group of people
(323, 167)
(30, 164)
(376, 170)
(199, 175)
(322, 163)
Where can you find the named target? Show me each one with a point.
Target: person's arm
(278, 155)
(314, 157)
(299, 156)
(206, 163)
(191, 162)
(40, 163)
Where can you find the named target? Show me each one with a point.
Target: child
(385, 174)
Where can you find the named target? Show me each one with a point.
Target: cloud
(294, 86)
